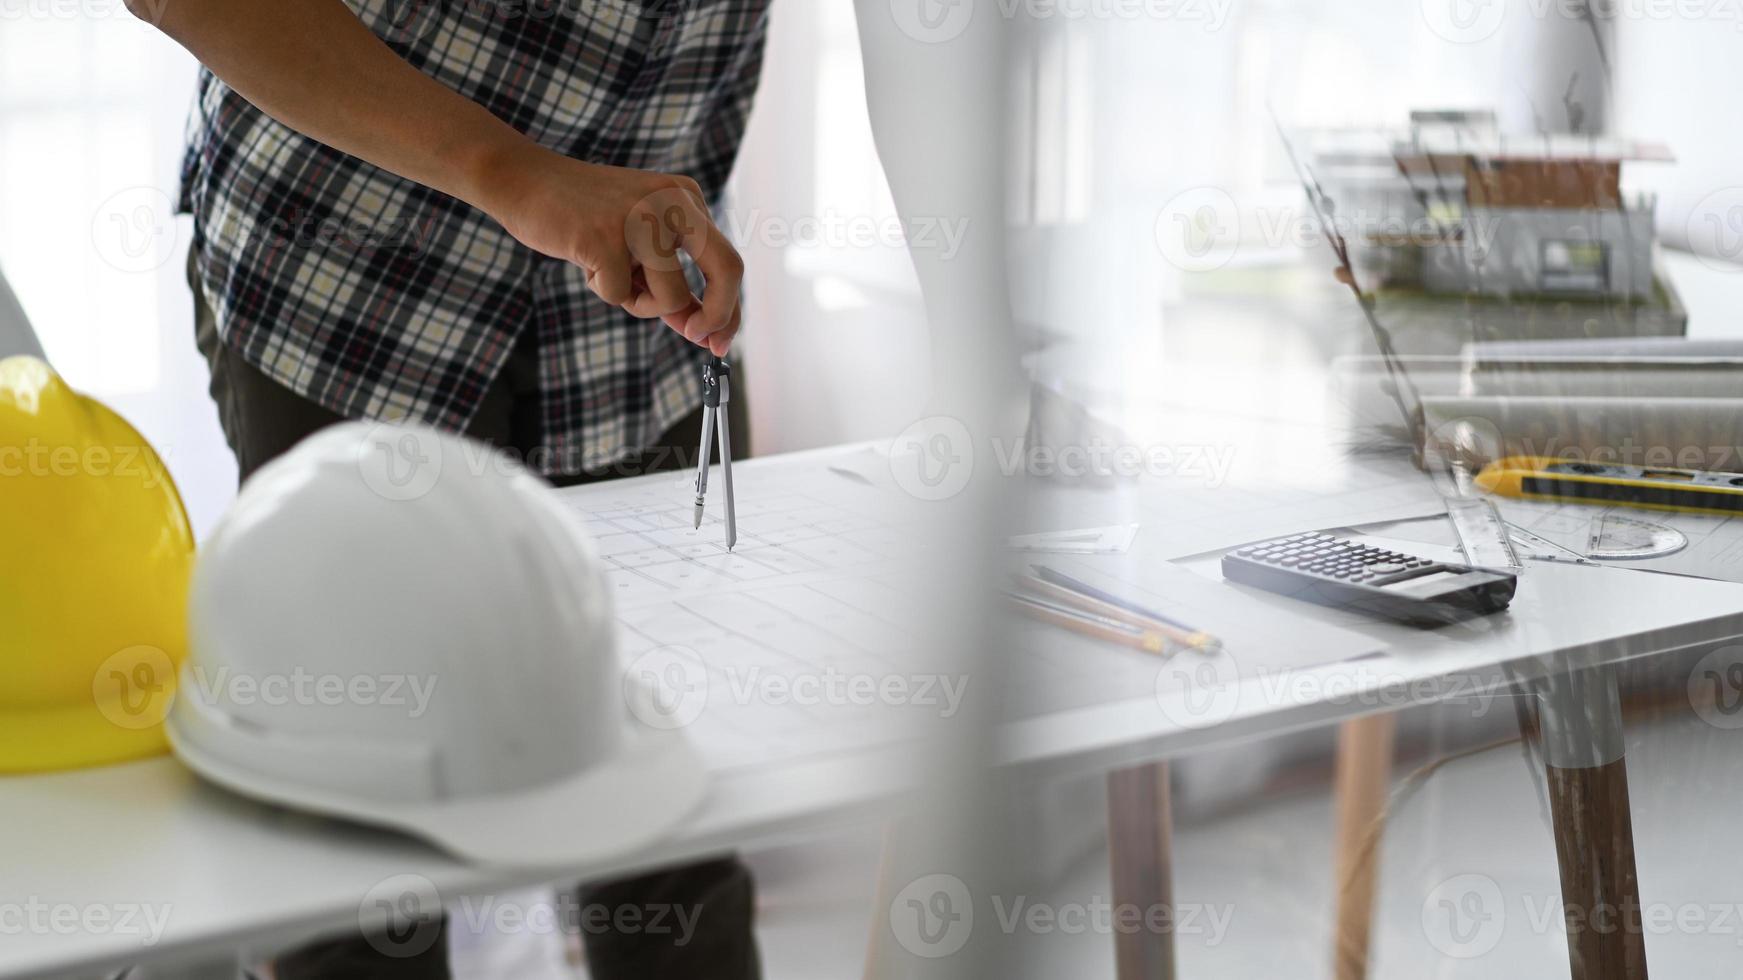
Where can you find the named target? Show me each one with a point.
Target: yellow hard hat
(93, 598)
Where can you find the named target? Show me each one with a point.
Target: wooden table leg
(1581, 722)
(1140, 853)
(877, 957)
(1364, 773)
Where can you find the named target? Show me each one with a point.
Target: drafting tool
(716, 396)
(1174, 629)
(1483, 535)
(1114, 540)
(1332, 571)
(1539, 548)
(1618, 538)
(1565, 481)
(1088, 624)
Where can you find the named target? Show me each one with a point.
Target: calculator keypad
(1333, 558)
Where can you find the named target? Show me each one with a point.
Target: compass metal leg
(726, 484)
(708, 421)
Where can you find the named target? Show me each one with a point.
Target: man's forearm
(937, 107)
(312, 65)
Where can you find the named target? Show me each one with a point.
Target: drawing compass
(716, 395)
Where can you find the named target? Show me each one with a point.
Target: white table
(1566, 629)
(230, 872)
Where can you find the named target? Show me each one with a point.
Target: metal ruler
(1483, 536)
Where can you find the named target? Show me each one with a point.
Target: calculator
(1333, 571)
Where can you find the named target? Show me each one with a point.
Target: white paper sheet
(820, 592)
(770, 638)
(1205, 522)
(1181, 517)
(1260, 637)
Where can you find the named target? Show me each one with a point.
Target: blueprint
(819, 604)
(1715, 548)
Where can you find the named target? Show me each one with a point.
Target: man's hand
(628, 229)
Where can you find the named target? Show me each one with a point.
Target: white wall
(1677, 80)
(92, 109)
(835, 344)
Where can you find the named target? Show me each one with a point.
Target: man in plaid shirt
(474, 214)
(384, 221)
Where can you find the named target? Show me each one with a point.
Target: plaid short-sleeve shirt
(379, 298)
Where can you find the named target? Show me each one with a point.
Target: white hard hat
(405, 628)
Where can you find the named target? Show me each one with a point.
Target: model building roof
(1553, 147)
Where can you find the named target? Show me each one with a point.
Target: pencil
(1173, 629)
(1089, 624)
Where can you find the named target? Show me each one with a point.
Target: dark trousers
(261, 420)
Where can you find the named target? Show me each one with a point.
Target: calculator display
(1426, 581)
